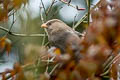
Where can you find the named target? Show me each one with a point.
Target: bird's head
(54, 25)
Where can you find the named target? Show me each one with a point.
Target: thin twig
(68, 3)
(56, 12)
(113, 61)
(74, 20)
(107, 63)
(41, 16)
(9, 29)
(46, 33)
(27, 66)
(47, 43)
(12, 12)
(54, 69)
(46, 71)
(85, 15)
(43, 41)
(49, 9)
(11, 25)
(44, 8)
(48, 61)
(21, 35)
(80, 21)
(89, 3)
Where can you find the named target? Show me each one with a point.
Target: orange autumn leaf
(3, 76)
(70, 66)
(3, 14)
(8, 48)
(7, 6)
(5, 43)
(18, 3)
(8, 45)
(19, 71)
(114, 71)
(57, 51)
(6, 3)
(2, 43)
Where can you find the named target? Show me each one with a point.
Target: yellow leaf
(57, 51)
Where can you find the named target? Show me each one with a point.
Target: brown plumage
(61, 35)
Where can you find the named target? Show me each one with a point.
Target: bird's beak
(44, 26)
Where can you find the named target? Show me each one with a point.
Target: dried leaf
(5, 43)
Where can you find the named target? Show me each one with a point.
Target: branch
(11, 25)
(49, 9)
(68, 3)
(85, 16)
(25, 68)
(89, 4)
(55, 12)
(44, 37)
(15, 72)
(54, 69)
(21, 35)
(80, 21)
(44, 8)
(41, 16)
(74, 20)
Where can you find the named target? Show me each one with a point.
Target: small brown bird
(61, 35)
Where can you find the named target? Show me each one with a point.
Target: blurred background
(28, 21)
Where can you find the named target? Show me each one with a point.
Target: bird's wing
(76, 32)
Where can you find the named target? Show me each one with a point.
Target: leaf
(57, 51)
(6, 3)
(2, 43)
(3, 15)
(114, 71)
(18, 3)
(3, 76)
(5, 43)
(8, 45)
(18, 70)
(87, 68)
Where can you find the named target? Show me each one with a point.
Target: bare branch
(56, 12)
(41, 16)
(46, 71)
(11, 13)
(68, 3)
(80, 21)
(54, 69)
(21, 35)
(49, 9)
(89, 5)
(85, 16)
(74, 20)
(43, 7)
(46, 33)
(11, 25)
(9, 29)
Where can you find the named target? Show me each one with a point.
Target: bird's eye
(49, 24)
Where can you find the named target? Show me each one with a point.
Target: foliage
(99, 46)
(5, 44)
(7, 6)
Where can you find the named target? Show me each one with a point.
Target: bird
(62, 36)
